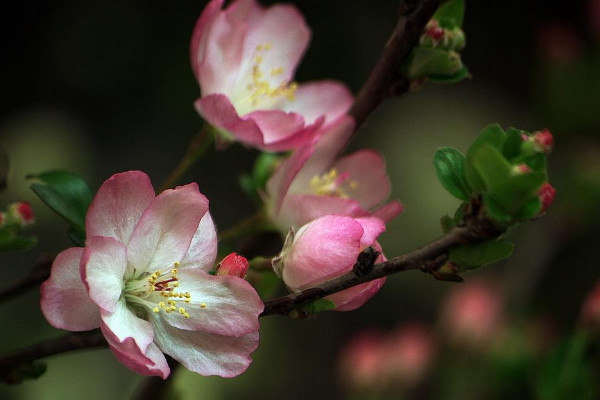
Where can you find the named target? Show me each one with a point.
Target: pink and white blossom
(314, 182)
(142, 278)
(244, 58)
(326, 248)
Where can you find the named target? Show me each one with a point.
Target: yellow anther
(188, 300)
(156, 310)
(259, 47)
(181, 310)
(186, 315)
(268, 46)
(162, 304)
(175, 284)
(203, 305)
(172, 308)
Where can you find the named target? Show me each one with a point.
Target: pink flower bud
(21, 211)
(233, 265)
(546, 195)
(520, 169)
(543, 141)
(434, 31)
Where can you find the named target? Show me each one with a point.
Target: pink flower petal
(103, 267)
(373, 227)
(203, 248)
(218, 111)
(367, 169)
(354, 297)
(283, 131)
(63, 290)
(165, 231)
(389, 211)
(298, 210)
(123, 324)
(231, 305)
(322, 249)
(205, 353)
(118, 205)
(150, 362)
(313, 99)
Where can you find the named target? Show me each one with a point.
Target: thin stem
(195, 150)
(38, 274)
(248, 225)
(385, 78)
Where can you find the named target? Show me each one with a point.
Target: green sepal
(447, 224)
(475, 255)
(67, 194)
(253, 184)
(451, 14)
(317, 306)
(450, 164)
(458, 76)
(247, 184)
(433, 62)
(491, 166)
(23, 371)
(10, 241)
(494, 212)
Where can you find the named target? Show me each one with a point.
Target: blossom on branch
(143, 279)
(244, 58)
(326, 248)
(314, 182)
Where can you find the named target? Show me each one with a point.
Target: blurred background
(103, 86)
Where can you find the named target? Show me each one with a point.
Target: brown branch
(385, 77)
(38, 274)
(427, 259)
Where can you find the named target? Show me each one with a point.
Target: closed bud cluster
(538, 142)
(17, 216)
(447, 39)
(233, 265)
(546, 195)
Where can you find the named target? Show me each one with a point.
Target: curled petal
(122, 324)
(63, 289)
(351, 299)
(150, 362)
(205, 353)
(389, 211)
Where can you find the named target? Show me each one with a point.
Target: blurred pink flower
(244, 58)
(472, 314)
(361, 361)
(408, 354)
(328, 247)
(314, 182)
(142, 278)
(590, 311)
(559, 43)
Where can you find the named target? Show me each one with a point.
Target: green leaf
(475, 255)
(317, 306)
(67, 194)
(450, 15)
(512, 144)
(492, 135)
(529, 210)
(447, 224)
(491, 165)
(512, 194)
(449, 164)
(9, 241)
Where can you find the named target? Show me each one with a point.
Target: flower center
(260, 85)
(157, 291)
(333, 184)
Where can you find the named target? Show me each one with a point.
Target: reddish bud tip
(233, 265)
(544, 140)
(520, 169)
(21, 212)
(434, 31)
(546, 195)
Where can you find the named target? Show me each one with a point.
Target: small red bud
(434, 31)
(233, 265)
(520, 169)
(546, 195)
(544, 140)
(21, 212)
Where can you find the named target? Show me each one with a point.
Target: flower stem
(38, 274)
(195, 150)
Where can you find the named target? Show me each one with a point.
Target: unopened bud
(233, 265)
(539, 142)
(520, 169)
(432, 34)
(21, 212)
(546, 195)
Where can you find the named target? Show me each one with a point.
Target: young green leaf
(449, 164)
(9, 241)
(67, 194)
(514, 193)
(475, 255)
(491, 165)
(451, 14)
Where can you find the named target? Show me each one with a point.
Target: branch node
(365, 261)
